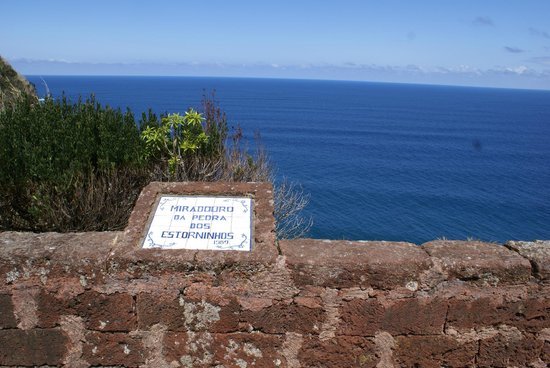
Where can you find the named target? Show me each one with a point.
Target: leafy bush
(175, 139)
(81, 166)
(53, 153)
(196, 147)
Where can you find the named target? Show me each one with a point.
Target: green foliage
(177, 136)
(55, 140)
(50, 150)
(80, 166)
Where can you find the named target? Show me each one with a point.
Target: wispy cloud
(409, 68)
(513, 50)
(543, 60)
(515, 76)
(483, 21)
(518, 70)
(539, 33)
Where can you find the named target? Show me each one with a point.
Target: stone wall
(97, 299)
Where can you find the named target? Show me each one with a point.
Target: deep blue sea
(381, 161)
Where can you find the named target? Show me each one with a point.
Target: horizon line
(292, 79)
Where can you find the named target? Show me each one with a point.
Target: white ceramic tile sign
(197, 222)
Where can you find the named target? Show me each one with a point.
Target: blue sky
(468, 42)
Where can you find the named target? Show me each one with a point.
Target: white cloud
(462, 74)
(522, 69)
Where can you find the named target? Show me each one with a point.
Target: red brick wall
(96, 299)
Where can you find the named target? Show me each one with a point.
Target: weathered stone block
(48, 255)
(485, 263)
(248, 350)
(361, 317)
(178, 313)
(113, 349)
(537, 252)
(339, 352)
(106, 312)
(403, 316)
(32, 348)
(7, 318)
(417, 316)
(466, 314)
(531, 315)
(502, 351)
(103, 312)
(229, 318)
(433, 352)
(50, 309)
(160, 308)
(344, 264)
(228, 350)
(176, 345)
(281, 318)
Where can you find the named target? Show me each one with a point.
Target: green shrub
(81, 166)
(196, 147)
(57, 139)
(53, 152)
(175, 139)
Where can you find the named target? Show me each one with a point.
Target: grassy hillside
(12, 85)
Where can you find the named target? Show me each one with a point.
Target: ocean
(381, 161)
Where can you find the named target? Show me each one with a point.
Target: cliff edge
(12, 85)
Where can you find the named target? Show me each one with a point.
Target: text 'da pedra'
(201, 222)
